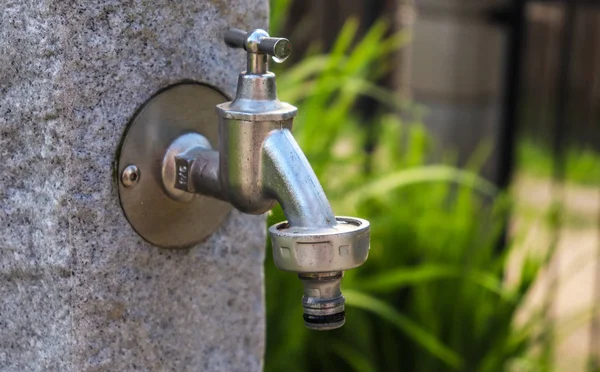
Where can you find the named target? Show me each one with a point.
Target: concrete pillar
(457, 66)
(79, 289)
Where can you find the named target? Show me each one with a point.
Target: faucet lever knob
(259, 42)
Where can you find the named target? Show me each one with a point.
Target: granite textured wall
(79, 290)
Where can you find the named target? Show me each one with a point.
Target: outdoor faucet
(258, 163)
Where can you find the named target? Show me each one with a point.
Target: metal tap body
(258, 163)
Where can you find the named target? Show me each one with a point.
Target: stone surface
(79, 290)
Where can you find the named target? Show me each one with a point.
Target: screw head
(130, 176)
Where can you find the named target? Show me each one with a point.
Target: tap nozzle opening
(320, 255)
(323, 301)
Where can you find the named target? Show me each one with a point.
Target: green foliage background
(433, 294)
(582, 165)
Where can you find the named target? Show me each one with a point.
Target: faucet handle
(259, 42)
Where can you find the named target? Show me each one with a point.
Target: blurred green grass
(582, 165)
(432, 295)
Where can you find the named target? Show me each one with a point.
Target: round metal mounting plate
(162, 221)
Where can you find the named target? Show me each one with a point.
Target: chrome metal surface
(153, 213)
(235, 38)
(259, 42)
(320, 255)
(340, 247)
(289, 178)
(277, 47)
(130, 176)
(257, 64)
(256, 100)
(260, 162)
(241, 163)
(257, 163)
(204, 175)
(191, 167)
(174, 169)
(256, 97)
(323, 302)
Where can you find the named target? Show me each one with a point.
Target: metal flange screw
(130, 176)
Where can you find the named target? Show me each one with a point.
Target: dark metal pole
(513, 17)
(512, 93)
(561, 125)
(368, 106)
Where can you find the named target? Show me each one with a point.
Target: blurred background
(468, 133)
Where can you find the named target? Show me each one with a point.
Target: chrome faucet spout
(247, 158)
(257, 163)
(289, 178)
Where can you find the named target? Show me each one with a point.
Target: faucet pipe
(258, 163)
(287, 178)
